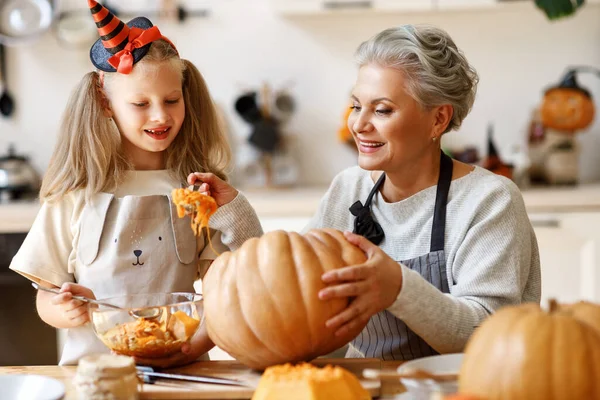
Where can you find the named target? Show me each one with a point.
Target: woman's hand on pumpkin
(373, 286)
(75, 312)
(212, 185)
(191, 350)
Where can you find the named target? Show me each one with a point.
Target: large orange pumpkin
(523, 352)
(567, 109)
(261, 301)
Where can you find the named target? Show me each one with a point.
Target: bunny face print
(135, 244)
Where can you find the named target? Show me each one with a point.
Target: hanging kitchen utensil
(265, 133)
(168, 9)
(183, 13)
(7, 104)
(75, 29)
(247, 107)
(283, 106)
(18, 178)
(24, 21)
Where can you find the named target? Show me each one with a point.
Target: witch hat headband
(121, 45)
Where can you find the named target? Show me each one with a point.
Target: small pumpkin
(567, 107)
(261, 301)
(524, 352)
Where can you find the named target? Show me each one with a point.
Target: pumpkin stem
(552, 306)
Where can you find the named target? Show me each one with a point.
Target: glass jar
(106, 377)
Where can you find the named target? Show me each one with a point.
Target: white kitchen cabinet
(310, 7)
(463, 4)
(569, 246)
(292, 7)
(403, 5)
(328, 7)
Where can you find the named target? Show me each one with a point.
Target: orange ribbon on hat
(123, 60)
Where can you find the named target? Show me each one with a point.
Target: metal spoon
(147, 313)
(85, 299)
(7, 103)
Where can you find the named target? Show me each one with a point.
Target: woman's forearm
(445, 322)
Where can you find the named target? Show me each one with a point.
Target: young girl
(133, 130)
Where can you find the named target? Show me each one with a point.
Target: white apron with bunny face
(130, 245)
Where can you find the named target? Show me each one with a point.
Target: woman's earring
(434, 138)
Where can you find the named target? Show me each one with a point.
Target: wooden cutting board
(169, 389)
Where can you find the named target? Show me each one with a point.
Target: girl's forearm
(50, 313)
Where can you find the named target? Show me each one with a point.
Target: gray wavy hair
(437, 71)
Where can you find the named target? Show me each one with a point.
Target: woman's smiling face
(389, 127)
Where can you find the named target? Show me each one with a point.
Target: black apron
(386, 336)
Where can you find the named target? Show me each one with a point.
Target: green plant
(556, 9)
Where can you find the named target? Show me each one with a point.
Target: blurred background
(305, 49)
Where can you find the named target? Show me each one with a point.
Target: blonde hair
(437, 71)
(88, 153)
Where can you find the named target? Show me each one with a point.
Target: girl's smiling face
(389, 127)
(148, 108)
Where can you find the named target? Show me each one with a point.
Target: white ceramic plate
(440, 364)
(30, 387)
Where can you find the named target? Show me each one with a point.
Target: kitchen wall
(516, 51)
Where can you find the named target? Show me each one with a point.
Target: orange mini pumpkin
(567, 107)
(261, 301)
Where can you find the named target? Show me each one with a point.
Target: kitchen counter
(387, 389)
(303, 202)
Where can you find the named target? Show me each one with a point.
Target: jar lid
(106, 366)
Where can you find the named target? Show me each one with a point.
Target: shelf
(375, 7)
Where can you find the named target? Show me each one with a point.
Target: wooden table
(220, 368)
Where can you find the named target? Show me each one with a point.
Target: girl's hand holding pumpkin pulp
(373, 285)
(212, 185)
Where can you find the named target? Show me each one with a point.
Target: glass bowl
(151, 325)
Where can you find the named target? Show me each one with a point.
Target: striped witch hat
(120, 45)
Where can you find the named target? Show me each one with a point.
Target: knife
(150, 376)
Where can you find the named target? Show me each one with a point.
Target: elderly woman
(447, 243)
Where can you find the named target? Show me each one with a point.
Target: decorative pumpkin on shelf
(523, 352)
(261, 301)
(565, 109)
(344, 134)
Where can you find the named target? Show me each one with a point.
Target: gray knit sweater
(491, 251)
